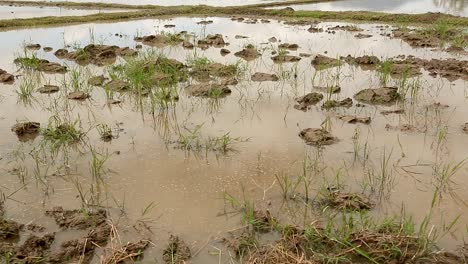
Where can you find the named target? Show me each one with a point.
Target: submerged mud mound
(48, 89)
(26, 130)
(317, 137)
(77, 219)
(248, 54)
(288, 46)
(285, 58)
(206, 72)
(263, 77)
(385, 95)
(308, 100)
(211, 90)
(99, 55)
(161, 40)
(6, 77)
(323, 62)
(216, 41)
(347, 102)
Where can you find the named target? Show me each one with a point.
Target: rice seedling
(384, 71)
(26, 89)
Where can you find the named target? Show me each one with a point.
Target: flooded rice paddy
(177, 133)
(12, 12)
(452, 7)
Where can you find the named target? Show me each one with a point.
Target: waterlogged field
(12, 12)
(234, 140)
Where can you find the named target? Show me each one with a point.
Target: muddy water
(453, 7)
(187, 188)
(179, 2)
(11, 12)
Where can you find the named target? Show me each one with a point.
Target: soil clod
(48, 89)
(317, 137)
(262, 77)
(308, 100)
(385, 95)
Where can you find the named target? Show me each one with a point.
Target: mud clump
(362, 36)
(389, 112)
(160, 40)
(262, 77)
(240, 37)
(224, 52)
(347, 102)
(365, 61)
(402, 128)
(48, 89)
(349, 28)
(288, 46)
(354, 119)
(205, 72)
(9, 230)
(33, 46)
(177, 251)
(348, 201)
(285, 58)
(6, 77)
(317, 137)
(25, 128)
(205, 22)
(465, 128)
(416, 39)
(323, 62)
(77, 219)
(97, 80)
(82, 248)
(248, 53)
(314, 29)
(385, 95)
(35, 248)
(187, 44)
(308, 100)
(51, 67)
(210, 90)
(79, 96)
(99, 55)
(216, 41)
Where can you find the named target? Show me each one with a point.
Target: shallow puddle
(181, 192)
(452, 7)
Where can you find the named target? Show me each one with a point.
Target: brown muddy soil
(385, 95)
(329, 104)
(48, 89)
(308, 100)
(263, 77)
(317, 137)
(248, 53)
(96, 54)
(6, 77)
